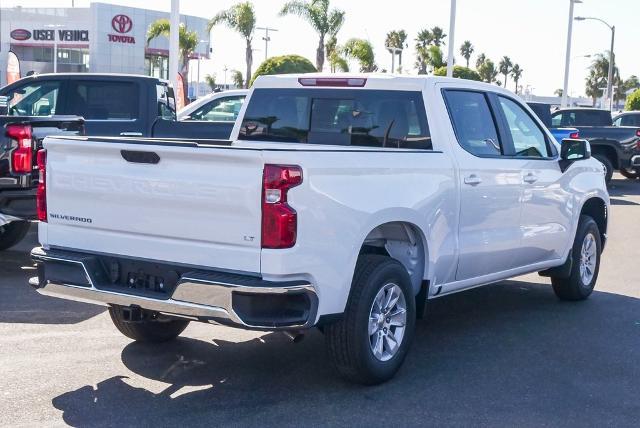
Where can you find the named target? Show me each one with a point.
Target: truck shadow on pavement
(20, 303)
(506, 354)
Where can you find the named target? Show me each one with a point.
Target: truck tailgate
(197, 206)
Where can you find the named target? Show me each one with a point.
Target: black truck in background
(78, 104)
(617, 147)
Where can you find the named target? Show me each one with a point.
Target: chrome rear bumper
(243, 301)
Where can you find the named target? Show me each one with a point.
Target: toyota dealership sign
(121, 24)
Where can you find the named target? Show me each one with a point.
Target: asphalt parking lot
(509, 354)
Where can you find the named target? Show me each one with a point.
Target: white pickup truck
(342, 202)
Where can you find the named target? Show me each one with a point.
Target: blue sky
(531, 32)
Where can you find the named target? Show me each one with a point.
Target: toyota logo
(121, 23)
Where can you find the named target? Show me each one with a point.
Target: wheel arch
(596, 208)
(403, 241)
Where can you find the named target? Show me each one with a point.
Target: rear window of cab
(345, 117)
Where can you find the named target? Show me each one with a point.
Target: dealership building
(101, 38)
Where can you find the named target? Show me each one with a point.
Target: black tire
(348, 340)
(148, 330)
(574, 287)
(12, 233)
(630, 173)
(607, 165)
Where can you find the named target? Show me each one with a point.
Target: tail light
(279, 220)
(41, 193)
(637, 132)
(22, 156)
(574, 135)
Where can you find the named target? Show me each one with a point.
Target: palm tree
(505, 68)
(334, 55)
(423, 40)
(516, 73)
(396, 40)
(466, 50)
(187, 43)
(324, 20)
(242, 18)
(362, 51)
(435, 57)
(558, 92)
(211, 81)
(482, 58)
(236, 78)
(437, 35)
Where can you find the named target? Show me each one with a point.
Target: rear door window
(34, 99)
(473, 122)
(104, 100)
(368, 118)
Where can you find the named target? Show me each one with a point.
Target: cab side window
(220, 110)
(473, 122)
(34, 99)
(528, 139)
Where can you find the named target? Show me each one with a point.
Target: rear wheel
(586, 263)
(608, 166)
(148, 329)
(630, 173)
(12, 233)
(370, 343)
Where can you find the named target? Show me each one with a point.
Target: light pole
(611, 57)
(198, 82)
(567, 59)
(55, 45)
(266, 39)
(174, 49)
(452, 30)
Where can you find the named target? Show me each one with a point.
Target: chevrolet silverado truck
(89, 104)
(342, 203)
(617, 147)
(20, 139)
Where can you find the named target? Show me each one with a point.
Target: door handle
(131, 134)
(472, 180)
(530, 178)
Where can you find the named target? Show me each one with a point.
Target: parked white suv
(341, 202)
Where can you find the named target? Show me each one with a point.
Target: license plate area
(137, 277)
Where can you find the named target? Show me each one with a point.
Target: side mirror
(572, 151)
(4, 105)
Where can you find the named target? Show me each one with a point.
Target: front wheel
(630, 173)
(370, 343)
(608, 167)
(586, 251)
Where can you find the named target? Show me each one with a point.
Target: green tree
(516, 74)
(285, 64)
(187, 43)
(337, 62)
(466, 50)
(241, 18)
(237, 79)
(482, 58)
(558, 92)
(504, 67)
(459, 72)
(396, 40)
(633, 101)
(362, 51)
(318, 14)
(435, 57)
(487, 71)
(211, 81)
(631, 83)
